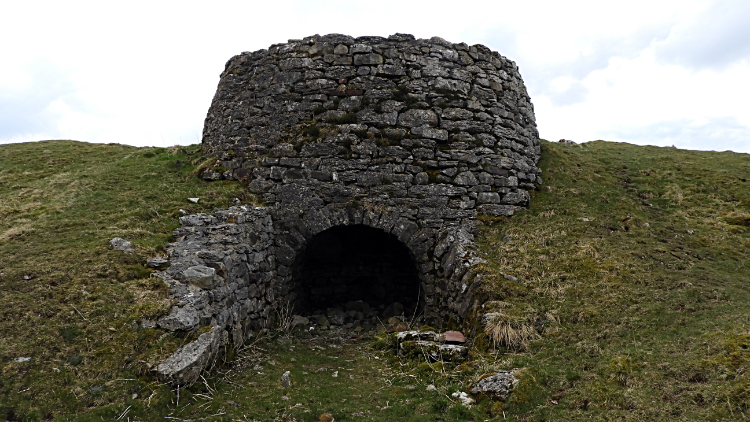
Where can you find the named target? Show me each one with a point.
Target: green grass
(651, 293)
(68, 301)
(632, 265)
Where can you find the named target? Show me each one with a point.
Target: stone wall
(373, 118)
(232, 270)
(411, 138)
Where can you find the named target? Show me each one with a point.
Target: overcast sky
(144, 73)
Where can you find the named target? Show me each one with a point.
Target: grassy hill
(633, 263)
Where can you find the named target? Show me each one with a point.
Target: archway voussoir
(316, 221)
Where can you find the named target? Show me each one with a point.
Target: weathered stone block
(180, 319)
(415, 117)
(200, 276)
(368, 59)
(184, 366)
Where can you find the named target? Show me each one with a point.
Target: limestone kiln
(374, 157)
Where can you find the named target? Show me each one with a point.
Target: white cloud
(632, 95)
(144, 73)
(719, 133)
(712, 37)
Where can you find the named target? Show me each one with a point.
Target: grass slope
(632, 264)
(67, 301)
(643, 256)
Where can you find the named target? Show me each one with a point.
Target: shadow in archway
(357, 269)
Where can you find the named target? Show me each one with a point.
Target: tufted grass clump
(312, 131)
(347, 118)
(319, 109)
(509, 330)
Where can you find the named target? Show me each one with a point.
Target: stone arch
(297, 231)
(355, 262)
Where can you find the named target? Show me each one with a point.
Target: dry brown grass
(511, 331)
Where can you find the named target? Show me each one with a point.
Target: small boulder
(392, 310)
(496, 386)
(185, 318)
(336, 316)
(286, 381)
(298, 320)
(120, 244)
(211, 175)
(157, 263)
(322, 321)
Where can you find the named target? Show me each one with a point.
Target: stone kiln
(374, 157)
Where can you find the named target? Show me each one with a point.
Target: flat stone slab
(157, 263)
(185, 365)
(434, 351)
(415, 335)
(454, 337)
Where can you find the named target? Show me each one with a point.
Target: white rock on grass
(120, 244)
(194, 200)
(497, 386)
(463, 398)
(286, 380)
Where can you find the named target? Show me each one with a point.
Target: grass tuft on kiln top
(631, 266)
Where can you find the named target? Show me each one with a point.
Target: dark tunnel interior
(355, 263)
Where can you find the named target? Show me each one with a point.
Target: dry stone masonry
(374, 157)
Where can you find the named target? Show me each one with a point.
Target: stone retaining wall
(232, 270)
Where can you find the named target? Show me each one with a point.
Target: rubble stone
(120, 244)
(184, 366)
(496, 386)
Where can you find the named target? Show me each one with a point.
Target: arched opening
(356, 264)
